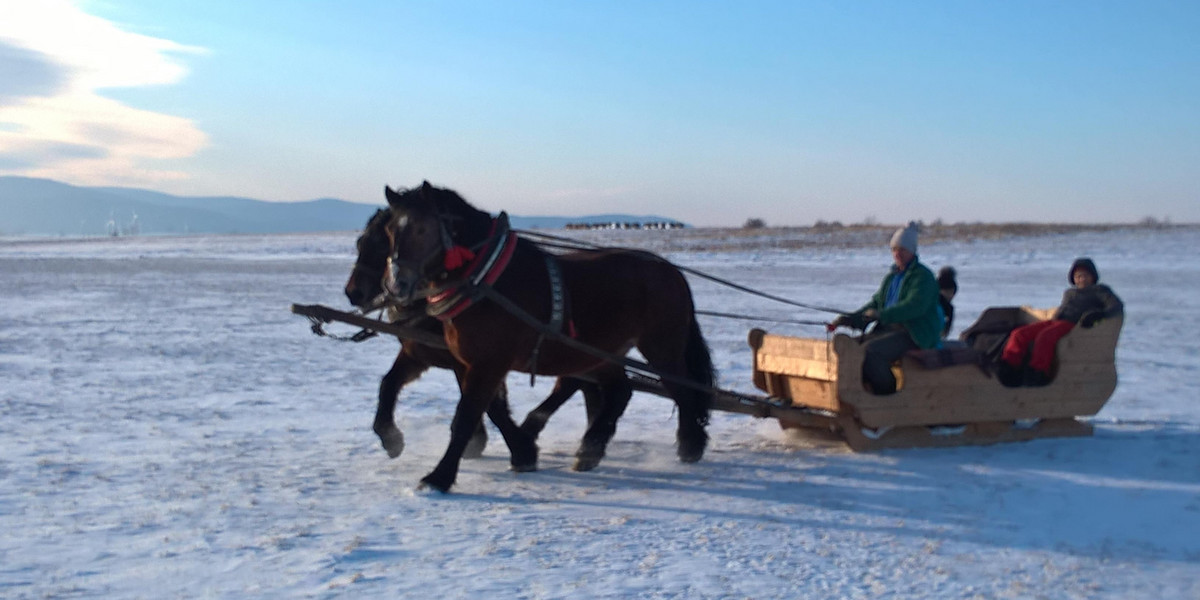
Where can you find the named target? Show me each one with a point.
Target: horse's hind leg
(692, 362)
(404, 370)
(690, 436)
(606, 403)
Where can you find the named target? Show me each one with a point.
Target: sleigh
(944, 397)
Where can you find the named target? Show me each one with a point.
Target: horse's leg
(404, 370)
(521, 445)
(693, 362)
(479, 439)
(607, 401)
(535, 421)
(478, 442)
(479, 387)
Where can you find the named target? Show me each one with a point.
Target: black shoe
(1035, 378)
(1008, 375)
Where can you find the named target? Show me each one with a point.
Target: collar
(485, 268)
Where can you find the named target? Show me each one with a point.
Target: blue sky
(708, 112)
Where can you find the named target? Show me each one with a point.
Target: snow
(169, 429)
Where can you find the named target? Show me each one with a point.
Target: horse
(363, 289)
(481, 279)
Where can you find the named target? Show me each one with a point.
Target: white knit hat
(906, 237)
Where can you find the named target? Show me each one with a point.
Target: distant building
(627, 225)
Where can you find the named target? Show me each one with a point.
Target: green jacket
(916, 309)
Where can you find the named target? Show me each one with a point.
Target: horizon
(937, 230)
(712, 114)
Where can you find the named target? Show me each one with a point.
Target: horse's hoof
(393, 442)
(525, 468)
(585, 463)
(588, 457)
(429, 482)
(690, 452)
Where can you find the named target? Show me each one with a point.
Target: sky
(712, 113)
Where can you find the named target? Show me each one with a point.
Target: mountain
(45, 207)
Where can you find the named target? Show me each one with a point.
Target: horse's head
(418, 237)
(365, 284)
(431, 233)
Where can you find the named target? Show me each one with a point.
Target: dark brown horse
(452, 255)
(365, 287)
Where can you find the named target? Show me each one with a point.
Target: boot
(1034, 378)
(1008, 375)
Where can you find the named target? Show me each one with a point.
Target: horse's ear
(392, 197)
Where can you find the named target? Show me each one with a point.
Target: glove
(837, 322)
(1089, 318)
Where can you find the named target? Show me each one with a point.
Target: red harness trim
(449, 303)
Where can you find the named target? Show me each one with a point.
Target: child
(947, 288)
(1029, 352)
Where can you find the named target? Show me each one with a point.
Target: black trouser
(883, 346)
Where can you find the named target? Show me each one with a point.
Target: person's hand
(870, 315)
(1089, 318)
(837, 322)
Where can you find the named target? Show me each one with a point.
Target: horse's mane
(377, 220)
(475, 223)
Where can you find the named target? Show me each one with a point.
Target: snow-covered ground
(169, 430)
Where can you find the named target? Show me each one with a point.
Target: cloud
(54, 59)
(25, 73)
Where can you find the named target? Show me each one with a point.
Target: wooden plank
(812, 393)
(961, 376)
(800, 391)
(809, 348)
(796, 366)
(971, 404)
(1098, 344)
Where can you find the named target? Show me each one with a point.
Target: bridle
(474, 266)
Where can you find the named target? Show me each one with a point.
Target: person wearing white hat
(905, 312)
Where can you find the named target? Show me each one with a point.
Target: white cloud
(68, 131)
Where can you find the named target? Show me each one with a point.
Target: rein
(566, 243)
(709, 313)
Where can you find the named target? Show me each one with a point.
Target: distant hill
(44, 207)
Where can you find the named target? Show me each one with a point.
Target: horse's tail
(700, 368)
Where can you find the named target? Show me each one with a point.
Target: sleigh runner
(951, 405)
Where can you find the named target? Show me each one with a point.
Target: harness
(558, 310)
(485, 267)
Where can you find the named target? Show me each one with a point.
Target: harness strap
(485, 268)
(558, 309)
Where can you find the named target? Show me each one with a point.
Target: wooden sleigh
(952, 405)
